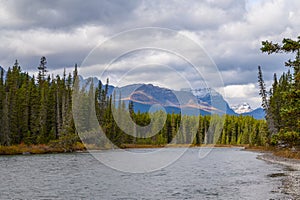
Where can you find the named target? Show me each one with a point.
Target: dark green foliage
(34, 112)
(39, 111)
(177, 129)
(262, 90)
(283, 113)
(42, 69)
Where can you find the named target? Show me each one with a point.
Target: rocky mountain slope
(202, 101)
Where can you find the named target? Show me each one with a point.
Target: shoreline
(23, 149)
(291, 176)
(293, 164)
(282, 153)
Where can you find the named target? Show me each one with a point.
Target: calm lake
(225, 173)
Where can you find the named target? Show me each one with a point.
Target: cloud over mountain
(230, 31)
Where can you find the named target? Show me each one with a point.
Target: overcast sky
(229, 31)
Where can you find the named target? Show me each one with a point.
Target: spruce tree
(42, 69)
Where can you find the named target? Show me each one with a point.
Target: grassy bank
(281, 152)
(37, 149)
(44, 149)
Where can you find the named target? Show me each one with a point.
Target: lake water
(225, 173)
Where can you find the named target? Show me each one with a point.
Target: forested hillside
(38, 110)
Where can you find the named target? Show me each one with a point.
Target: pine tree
(5, 132)
(43, 112)
(265, 102)
(42, 69)
(262, 90)
(33, 110)
(23, 107)
(2, 96)
(12, 85)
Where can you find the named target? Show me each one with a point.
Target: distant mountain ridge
(146, 95)
(202, 101)
(257, 113)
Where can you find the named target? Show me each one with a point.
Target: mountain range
(204, 101)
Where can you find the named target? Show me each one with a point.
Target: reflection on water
(226, 173)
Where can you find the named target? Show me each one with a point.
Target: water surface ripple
(226, 173)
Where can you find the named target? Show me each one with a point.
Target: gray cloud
(66, 14)
(191, 15)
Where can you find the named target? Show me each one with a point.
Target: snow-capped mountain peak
(242, 108)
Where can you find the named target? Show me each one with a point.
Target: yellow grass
(281, 152)
(42, 148)
(36, 149)
(286, 153)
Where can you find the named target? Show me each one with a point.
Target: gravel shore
(291, 180)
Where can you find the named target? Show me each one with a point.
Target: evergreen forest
(282, 102)
(38, 110)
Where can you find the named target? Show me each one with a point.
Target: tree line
(41, 110)
(35, 110)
